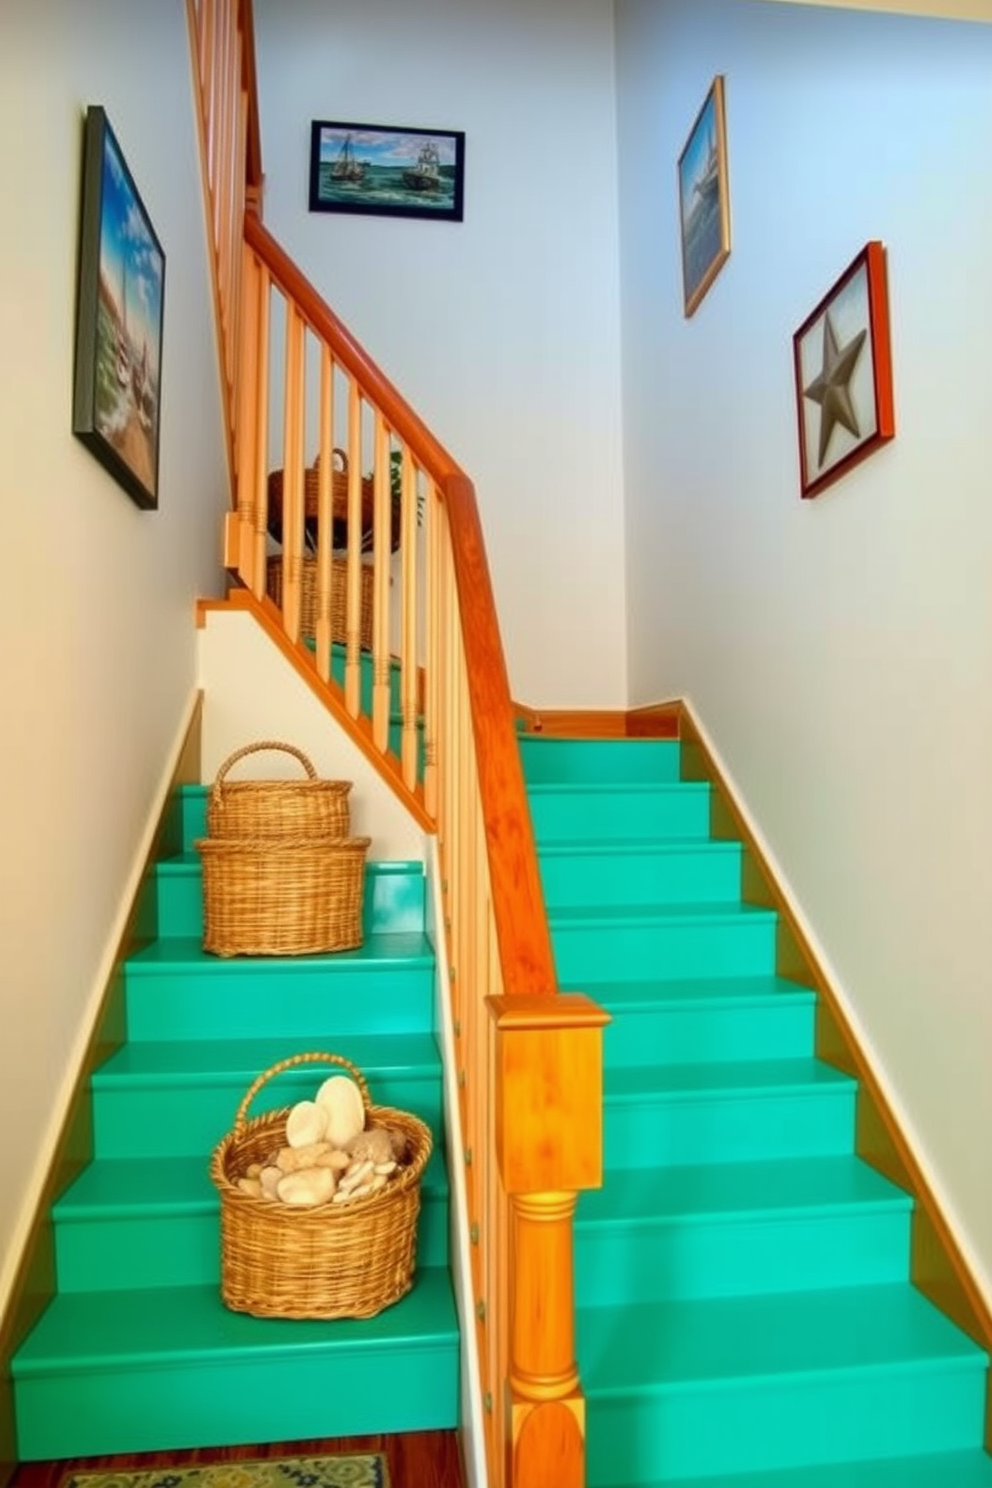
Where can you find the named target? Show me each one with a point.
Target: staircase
(745, 1314)
(136, 1352)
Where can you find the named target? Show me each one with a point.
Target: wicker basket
(276, 808)
(339, 505)
(331, 1261)
(339, 597)
(272, 896)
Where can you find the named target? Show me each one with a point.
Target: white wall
(96, 603)
(501, 330)
(839, 651)
(251, 695)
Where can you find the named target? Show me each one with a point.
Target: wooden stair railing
(396, 574)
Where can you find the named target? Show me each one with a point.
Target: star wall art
(844, 374)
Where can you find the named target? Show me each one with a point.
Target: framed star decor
(844, 374)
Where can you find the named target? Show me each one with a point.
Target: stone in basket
(276, 808)
(329, 1260)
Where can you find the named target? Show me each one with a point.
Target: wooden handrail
(518, 899)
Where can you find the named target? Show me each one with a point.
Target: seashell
(270, 1178)
(335, 1160)
(374, 1143)
(356, 1174)
(306, 1124)
(310, 1155)
(360, 1191)
(378, 1181)
(250, 1186)
(382, 1170)
(306, 1188)
(253, 1170)
(341, 1100)
(286, 1160)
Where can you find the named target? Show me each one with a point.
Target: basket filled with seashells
(319, 1201)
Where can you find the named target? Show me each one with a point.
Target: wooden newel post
(549, 1137)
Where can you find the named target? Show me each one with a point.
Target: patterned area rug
(368, 1470)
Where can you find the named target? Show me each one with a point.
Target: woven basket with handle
(339, 597)
(329, 1261)
(276, 808)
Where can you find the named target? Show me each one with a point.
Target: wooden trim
(35, 1282)
(359, 730)
(937, 1265)
(655, 721)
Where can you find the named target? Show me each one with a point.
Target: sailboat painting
(388, 172)
(120, 302)
(704, 199)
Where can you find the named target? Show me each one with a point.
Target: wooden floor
(420, 1459)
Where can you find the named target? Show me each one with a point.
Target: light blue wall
(839, 651)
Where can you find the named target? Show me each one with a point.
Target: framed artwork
(120, 298)
(704, 199)
(388, 172)
(843, 371)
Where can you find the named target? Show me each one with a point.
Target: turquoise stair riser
(697, 1033)
(173, 1367)
(595, 948)
(174, 1242)
(393, 898)
(664, 1435)
(365, 672)
(680, 873)
(549, 761)
(192, 995)
(690, 1256)
(162, 1117)
(640, 813)
(715, 1128)
(947, 1470)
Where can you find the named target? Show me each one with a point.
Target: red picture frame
(843, 371)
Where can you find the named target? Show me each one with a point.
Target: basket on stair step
(347, 1260)
(281, 875)
(339, 597)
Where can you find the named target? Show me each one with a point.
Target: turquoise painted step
(663, 1234)
(548, 760)
(705, 1021)
(625, 942)
(638, 812)
(175, 990)
(393, 898)
(168, 1367)
(745, 1384)
(338, 657)
(179, 1099)
(601, 872)
(694, 1114)
(139, 1223)
(946, 1470)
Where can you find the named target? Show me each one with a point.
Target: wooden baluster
(409, 557)
(432, 522)
(292, 489)
(325, 513)
(381, 545)
(261, 432)
(239, 545)
(353, 661)
(549, 1146)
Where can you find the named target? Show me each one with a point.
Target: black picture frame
(120, 302)
(383, 170)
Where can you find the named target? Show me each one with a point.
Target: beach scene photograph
(703, 210)
(128, 324)
(397, 172)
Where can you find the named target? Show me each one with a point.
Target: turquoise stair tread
(186, 1061)
(585, 789)
(943, 1470)
(692, 991)
(774, 1076)
(132, 1186)
(667, 914)
(637, 847)
(102, 1330)
(737, 1190)
(168, 954)
(679, 1344)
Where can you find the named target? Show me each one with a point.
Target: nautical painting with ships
(129, 321)
(700, 183)
(366, 169)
